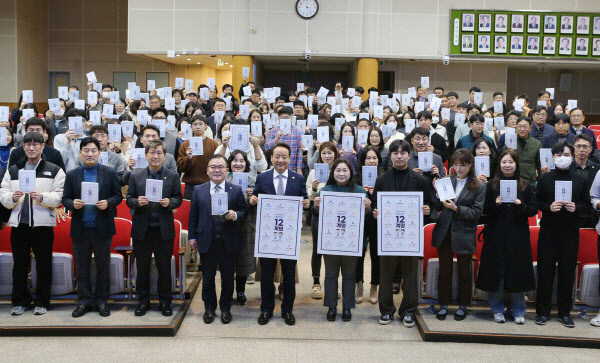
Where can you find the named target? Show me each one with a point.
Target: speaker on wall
(565, 82)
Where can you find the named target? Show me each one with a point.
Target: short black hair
(159, 109)
(440, 88)
(498, 93)
(285, 110)
(452, 94)
(562, 117)
(36, 121)
(582, 137)
(74, 112)
(98, 128)
(283, 145)
(523, 96)
(476, 89)
(400, 145)
(198, 117)
(359, 89)
(559, 147)
(150, 127)
(463, 105)
(298, 103)
(89, 140)
(225, 86)
(419, 131)
(471, 106)
(425, 114)
(543, 92)
(578, 109)
(537, 109)
(477, 117)
(524, 118)
(216, 156)
(219, 99)
(33, 137)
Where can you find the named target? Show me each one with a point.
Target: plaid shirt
(294, 140)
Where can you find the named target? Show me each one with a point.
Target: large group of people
(504, 162)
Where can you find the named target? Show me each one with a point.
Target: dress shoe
(458, 316)
(167, 310)
(225, 317)
(441, 314)
(241, 298)
(264, 317)
(566, 321)
(289, 318)
(141, 309)
(103, 310)
(396, 288)
(331, 314)
(80, 310)
(209, 316)
(346, 315)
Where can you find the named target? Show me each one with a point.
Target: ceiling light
(231, 66)
(189, 59)
(178, 55)
(226, 63)
(198, 63)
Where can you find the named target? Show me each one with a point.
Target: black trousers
(267, 287)
(315, 260)
(23, 239)
(370, 239)
(217, 255)
(83, 247)
(163, 250)
(465, 274)
(188, 191)
(408, 265)
(549, 253)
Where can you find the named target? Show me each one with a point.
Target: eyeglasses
(523, 126)
(581, 146)
(156, 153)
(215, 167)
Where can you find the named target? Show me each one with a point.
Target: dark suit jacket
(588, 132)
(141, 214)
(295, 186)
(463, 222)
(550, 140)
(534, 26)
(4, 212)
(109, 189)
(201, 219)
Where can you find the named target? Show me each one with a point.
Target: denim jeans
(517, 301)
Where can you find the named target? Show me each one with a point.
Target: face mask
(393, 125)
(105, 95)
(563, 162)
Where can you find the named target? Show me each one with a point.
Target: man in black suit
(550, 23)
(567, 24)
(483, 43)
(597, 46)
(400, 179)
(217, 237)
(533, 44)
(516, 44)
(153, 227)
(468, 22)
(549, 44)
(561, 134)
(485, 22)
(517, 24)
(279, 181)
(92, 225)
(582, 47)
(534, 24)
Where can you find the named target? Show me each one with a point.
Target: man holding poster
(400, 179)
(278, 181)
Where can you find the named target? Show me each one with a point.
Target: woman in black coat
(506, 263)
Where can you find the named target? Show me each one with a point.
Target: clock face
(307, 8)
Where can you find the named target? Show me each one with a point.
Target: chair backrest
(123, 236)
(428, 250)
(594, 127)
(532, 221)
(534, 232)
(176, 242)
(62, 237)
(123, 211)
(183, 214)
(5, 240)
(479, 241)
(588, 246)
(182, 188)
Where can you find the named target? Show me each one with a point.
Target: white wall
(355, 28)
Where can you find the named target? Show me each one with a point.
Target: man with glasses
(154, 102)
(216, 234)
(540, 127)
(153, 228)
(32, 219)
(114, 160)
(583, 166)
(577, 118)
(528, 150)
(149, 133)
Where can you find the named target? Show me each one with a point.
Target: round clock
(307, 9)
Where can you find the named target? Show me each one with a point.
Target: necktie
(280, 190)
(217, 189)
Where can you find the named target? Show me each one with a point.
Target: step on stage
(480, 327)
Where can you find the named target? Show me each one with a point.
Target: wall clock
(307, 9)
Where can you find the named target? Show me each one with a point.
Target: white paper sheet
(278, 227)
(154, 189)
(341, 224)
(400, 224)
(444, 189)
(89, 192)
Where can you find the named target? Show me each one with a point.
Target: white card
(445, 114)
(189, 84)
(409, 125)
(478, 97)
(171, 123)
(563, 191)
(241, 179)
(350, 92)
(26, 181)
(488, 123)
(321, 172)
(186, 131)
(571, 104)
(3, 137)
(239, 139)
(219, 203)
(386, 131)
(362, 136)
(170, 104)
(546, 159)
(419, 106)
(499, 123)
(518, 104)
(364, 115)
(444, 189)
(541, 103)
(482, 165)
(53, 105)
(245, 71)
(347, 143)
(80, 104)
(339, 122)
(179, 82)
(142, 117)
(300, 87)
(76, 124)
(218, 117)
(146, 97)
(322, 92)
(435, 103)
(108, 110)
(161, 125)
(459, 119)
(412, 92)
(405, 99)
(63, 92)
(197, 145)
(425, 82)
(96, 87)
(89, 192)
(508, 191)
(92, 98)
(91, 77)
(323, 133)
(154, 189)
(285, 124)
(356, 101)
(510, 140)
(256, 128)
(204, 93)
(28, 113)
(139, 155)
(28, 96)
(96, 118)
(211, 83)
(114, 132)
(301, 125)
(378, 112)
(103, 158)
(425, 160)
(126, 127)
(247, 91)
(151, 85)
(307, 141)
(244, 111)
(551, 91)
(498, 107)
(369, 175)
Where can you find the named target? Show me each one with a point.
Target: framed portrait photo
(468, 22)
(500, 23)
(533, 23)
(533, 44)
(583, 25)
(582, 46)
(549, 46)
(485, 23)
(500, 44)
(516, 25)
(550, 24)
(565, 46)
(467, 43)
(566, 24)
(596, 25)
(483, 44)
(516, 44)
(596, 47)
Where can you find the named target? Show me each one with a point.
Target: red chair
(596, 132)
(534, 232)
(588, 247)
(428, 250)
(123, 211)
(5, 240)
(183, 214)
(532, 221)
(182, 188)
(178, 254)
(62, 237)
(478, 248)
(594, 127)
(123, 236)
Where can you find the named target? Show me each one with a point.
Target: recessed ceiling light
(231, 66)
(226, 63)
(198, 63)
(189, 59)
(178, 55)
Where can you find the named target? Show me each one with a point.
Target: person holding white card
(419, 138)
(68, 143)
(51, 154)
(437, 144)
(32, 220)
(482, 148)
(375, 140)
(347, 130)
(256, 158)
(92, 225)
(588, 169)
(561, 132)
(6, 146)
(472, 100)
(153, 229)
(116, 161)
(341, 180)
(193, 166)
(327, 154)
(559, 235)
(540, 128)
(294, 139)
(28, 112)
(506, 260)
(577, 119)
(528, 149)
(456, 232)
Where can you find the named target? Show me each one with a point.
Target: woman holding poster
(456, 232)
(341, 180)
(506, 256)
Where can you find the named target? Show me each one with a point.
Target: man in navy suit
(217, 236)
(279, 181)
(153, 228)
(92, 226)
(561, 134)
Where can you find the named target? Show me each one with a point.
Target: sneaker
(566, 321)
(595, 321)
(373, 294)
(250, 280)
(17, 310)
(541, 320)
(39, 310)
(317, 292)
(359, 292)
(519, 320)
(499, 318)
(408, 320)
(385, 319)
